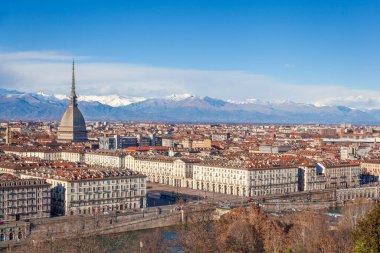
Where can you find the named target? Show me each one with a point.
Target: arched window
(2, 237)
(11, 236)
(19, 235)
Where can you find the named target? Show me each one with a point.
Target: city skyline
(189, 126)
(321, 53)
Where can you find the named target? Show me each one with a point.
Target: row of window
(117, 181)
(108, 195)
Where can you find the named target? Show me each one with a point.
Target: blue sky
(299, 45)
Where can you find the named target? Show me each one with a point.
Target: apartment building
(216, 177)
(347, 153)
(107, 143)
(106, 159)
(88, 191)
(371, 167)
(243, 180)
(74, 156)
(206, 143)
(117, 142)
(49, 155)
(328, 175)
(163, 170)
(190, 144)
(313, 179)
(45, 154)
(22, 199)
(168, 142)
(220, 137)
(328, 132)
(100, 158)
(274, 149)
(370, 171)
(274, 180)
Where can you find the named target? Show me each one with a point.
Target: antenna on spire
(73, 96)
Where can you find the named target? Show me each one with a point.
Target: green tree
(366, 236)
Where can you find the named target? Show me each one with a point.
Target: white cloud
(369, 101)
(50, 72)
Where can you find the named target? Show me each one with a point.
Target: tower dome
(72, 127)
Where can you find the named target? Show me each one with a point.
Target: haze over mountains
(16, 105)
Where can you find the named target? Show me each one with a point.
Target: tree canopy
(366, 235)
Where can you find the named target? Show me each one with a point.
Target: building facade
(22, 199)
(90, 191)
(224, 179)
(168, 142)
(107, 143)
(220, 137)
(370, 171)
(274, 180)
(245, 181)
(331, 176)
(171, 171)
(105, 159)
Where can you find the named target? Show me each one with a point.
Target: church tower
(73, 126)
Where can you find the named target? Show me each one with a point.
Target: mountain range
(17, 105)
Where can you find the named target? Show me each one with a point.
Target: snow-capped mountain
(111, 100)
(178, 108)
(179, 97)
(247, 101)
(117, 101)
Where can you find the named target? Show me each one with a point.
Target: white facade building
(73, 156)
(163, 170)
(106, 159)
(89, 191)
(245, 181)
(216, 178)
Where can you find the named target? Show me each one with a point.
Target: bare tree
(198, 233)
(241, 237)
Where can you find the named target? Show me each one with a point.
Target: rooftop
(82, 174)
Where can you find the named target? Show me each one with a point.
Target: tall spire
(73, 126)
(73, 96)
